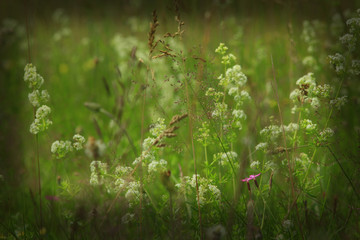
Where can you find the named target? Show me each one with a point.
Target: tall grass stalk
(275, 89)
(37, 159)
(193, 149)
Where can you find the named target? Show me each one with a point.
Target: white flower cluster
(303, 160)
(157, 166)
(122, 170)
(158, 128)
(220, 110)
(309, 93)
(207, 191)
(355, 67)
(213, 93)
(261, 146)
(338, 62)
(326, 134)
(34, 80)
(224, 158)
(272, 132)
(148, 154)
(308, 126)
(61, 148)
(255, 164)
(354, 25)
(37, 99)
(225, 59)
(339, 102)
(323, 91)
(133, 193)
(232, 82)
(349, 40)
(233, 78)
(98, 171)
(79, 141)
(41, 122)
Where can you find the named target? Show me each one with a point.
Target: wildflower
(31, 77)
(155, 166)
(78, 141)
(36, 98)
(254, 164)
(339, 102)
(41, 123)
(239, 114)
(221, 49)
(308, 125)
(61, 148)
(220, 110)
(225, 157)
(349, 40)
(261, 146)
(325, 135)
(338, 62)
(122, 170)
(158, 128)
(251, 177)
(307, 80)
(133, 192)
(354, 24)
(228, 59)
(215, 191)
(355, 64)
(323, 91)
(98, 170)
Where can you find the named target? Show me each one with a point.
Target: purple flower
(251, 177)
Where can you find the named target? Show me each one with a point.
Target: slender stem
(193, 151)
(286, 150)
(343, 170)
(39, 181)
(207, 161)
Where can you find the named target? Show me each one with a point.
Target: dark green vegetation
(160, 102)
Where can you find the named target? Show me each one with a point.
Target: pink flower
(251, 177)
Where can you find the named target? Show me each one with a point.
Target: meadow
(178, 120)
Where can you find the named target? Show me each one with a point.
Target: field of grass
(196, 120)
